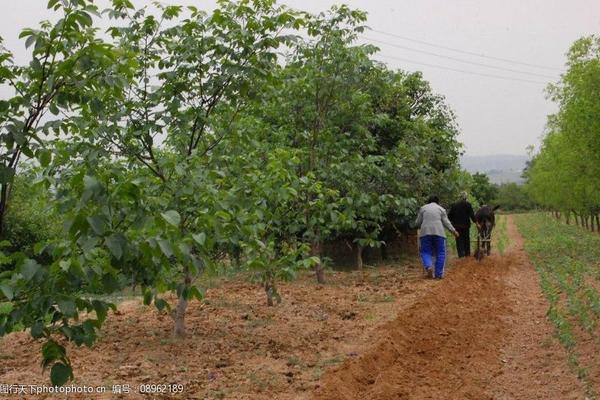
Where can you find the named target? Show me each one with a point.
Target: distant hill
(501, 168)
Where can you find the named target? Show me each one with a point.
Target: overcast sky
(495, 115)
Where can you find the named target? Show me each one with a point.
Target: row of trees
(188, 141)
(565, 175)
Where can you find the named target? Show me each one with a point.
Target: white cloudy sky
(495, 115)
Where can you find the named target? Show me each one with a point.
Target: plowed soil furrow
(481, 333)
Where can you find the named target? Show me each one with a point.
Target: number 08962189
(161, 388)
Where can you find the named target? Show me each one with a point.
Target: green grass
(566, 258)
(500, 233)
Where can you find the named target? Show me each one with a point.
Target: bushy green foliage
(565, 175)
(482, 189)
(31, 217)
(200, 145)
(513, 197)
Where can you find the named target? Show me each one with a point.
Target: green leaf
(29, 269)
(84, 19)
(7, 291)
(40, 247)
(52, 351)
(60, 374)
(30, 40)
(95, 106)
(53, 109)
(98, 225)
(223, 215)
(7, 175)
(101, 309)
(27, 151)
(116, 244)
(37, 329)
(165, 247)
(185, 249)
(92, 187)
(172, 217)
(44, 157)
(161, 304)
(197, 293)
(200, 238)
(67, 307)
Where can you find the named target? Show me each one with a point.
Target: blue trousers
(432, 245)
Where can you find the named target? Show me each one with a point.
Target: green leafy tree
(565, 174)
(66, 60)
(195, 145)
(158, 137)
(482, 189)
(322, 106)
(513, 197)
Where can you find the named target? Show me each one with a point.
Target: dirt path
(481, 333)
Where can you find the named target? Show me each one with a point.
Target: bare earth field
(481, 333)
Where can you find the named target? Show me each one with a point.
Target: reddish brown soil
(478, 334)
(534, 364)
(481, 333)
(237, 347)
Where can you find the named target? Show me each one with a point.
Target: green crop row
(566, 257)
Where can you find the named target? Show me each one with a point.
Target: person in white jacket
(432, 222)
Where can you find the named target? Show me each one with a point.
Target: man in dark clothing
(461, 214)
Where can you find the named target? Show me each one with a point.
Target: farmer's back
(432, 218)
(461, 214)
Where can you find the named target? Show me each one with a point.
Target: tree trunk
(568, 217)
(383, 251)
(180, 317)
(315, 251)
(3, 204)
(269, 291)
(181, 307)
(133, 283)
(359, 258)
(236, 253)
(597, 223)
